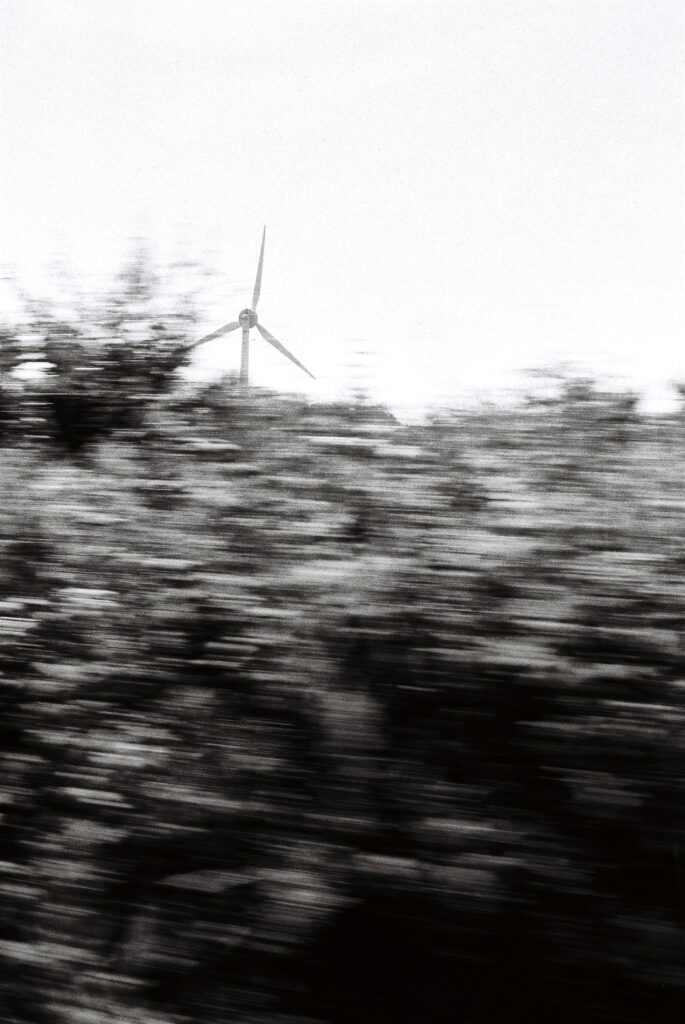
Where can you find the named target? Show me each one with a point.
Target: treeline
(308, 716)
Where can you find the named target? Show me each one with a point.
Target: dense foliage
(308, 716)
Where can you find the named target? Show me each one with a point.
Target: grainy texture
(308, 716)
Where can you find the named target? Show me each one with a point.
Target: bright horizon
(461, 190)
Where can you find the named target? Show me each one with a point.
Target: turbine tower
(247, 319)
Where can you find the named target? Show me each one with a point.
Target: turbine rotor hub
(248, 318)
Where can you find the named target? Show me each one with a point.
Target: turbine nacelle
(248, 318)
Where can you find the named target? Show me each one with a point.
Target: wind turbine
(246, 320)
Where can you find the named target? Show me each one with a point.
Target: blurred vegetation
(308, 716)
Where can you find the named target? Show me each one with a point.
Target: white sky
(460, 189)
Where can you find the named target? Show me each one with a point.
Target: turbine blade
(258, 281)
(282, 349)
(226, 329)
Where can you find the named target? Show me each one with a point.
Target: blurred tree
(85, 377)
(308, 716)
